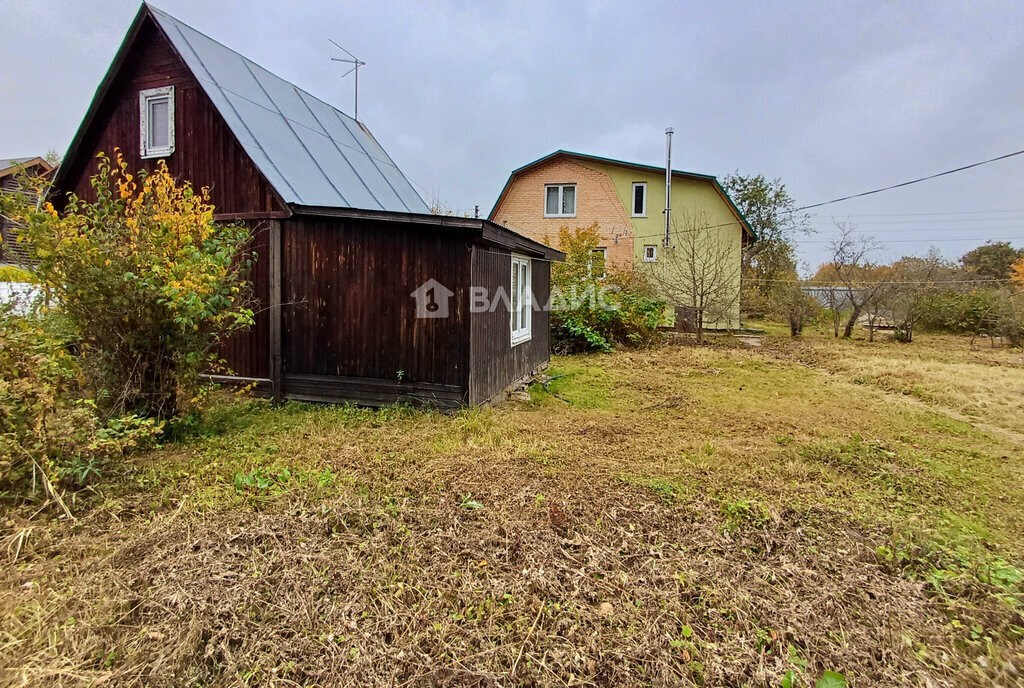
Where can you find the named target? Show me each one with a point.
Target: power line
(958, 212)
(912, 181)
(933, 221)
(920, 240)
(910, 230)
(809, 282)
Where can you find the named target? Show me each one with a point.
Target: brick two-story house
(627, 200)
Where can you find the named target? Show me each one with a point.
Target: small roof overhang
(487, 231)
(15, 165)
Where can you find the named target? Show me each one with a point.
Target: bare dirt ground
(714, 515)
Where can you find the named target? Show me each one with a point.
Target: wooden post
(276, 363)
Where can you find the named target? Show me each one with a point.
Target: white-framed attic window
(156, 122)
(560, 200)
(639, 199)
(521, 301)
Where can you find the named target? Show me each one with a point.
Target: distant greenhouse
(829, 296)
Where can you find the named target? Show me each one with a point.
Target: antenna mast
(668, 185)
(356, 64)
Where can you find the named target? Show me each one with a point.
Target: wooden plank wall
(206, 152)
(494, 366)
(347, 310)
(247, 354)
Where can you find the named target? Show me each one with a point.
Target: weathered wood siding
(247, 354)
(348, 328)
(348, 318)
(494, 365)
(10, 250)
(206, 153)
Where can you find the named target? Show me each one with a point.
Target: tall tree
(992, 260)
(771, 213)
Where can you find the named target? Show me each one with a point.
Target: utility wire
(958, 212)
(810, 281)
(920, 240)
(931, 221)
(912, 181)
(916, 231)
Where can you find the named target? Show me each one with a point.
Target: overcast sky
(832, 97)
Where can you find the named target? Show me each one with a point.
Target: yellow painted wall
(692, 199)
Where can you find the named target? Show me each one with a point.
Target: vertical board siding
(348, 325)
(206, 153)
(347, 309)
(247, 353)
(494, 363)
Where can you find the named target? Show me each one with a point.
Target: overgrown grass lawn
(716, 515)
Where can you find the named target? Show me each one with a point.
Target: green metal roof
(625, 163)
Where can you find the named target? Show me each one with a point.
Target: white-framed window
(521, 302)
(639, 199)
(650, 253)
(560, 200)
(599, 262)
(156, 122)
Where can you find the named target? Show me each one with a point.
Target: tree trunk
(848, 330)
(160, 388)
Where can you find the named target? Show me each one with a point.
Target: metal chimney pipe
(668, 185)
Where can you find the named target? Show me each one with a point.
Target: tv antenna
(356, 64)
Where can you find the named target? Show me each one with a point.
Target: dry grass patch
(982, 383)
(679, 516)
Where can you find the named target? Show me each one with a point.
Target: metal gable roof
(310, 152)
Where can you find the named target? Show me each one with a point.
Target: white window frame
(145, 98)
(632, 200)
(604, 253)
(523, 299)
(653, 254)
(561, 190)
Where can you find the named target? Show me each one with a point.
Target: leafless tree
(699, 271)
(861, 279)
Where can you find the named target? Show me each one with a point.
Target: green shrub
(148, 280)
(49, 434)
(592, 310)
(962, 312)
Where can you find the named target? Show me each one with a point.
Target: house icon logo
(432, 299)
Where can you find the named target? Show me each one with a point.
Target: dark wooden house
(367, 297)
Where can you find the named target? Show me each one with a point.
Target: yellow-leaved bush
(148, 281)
